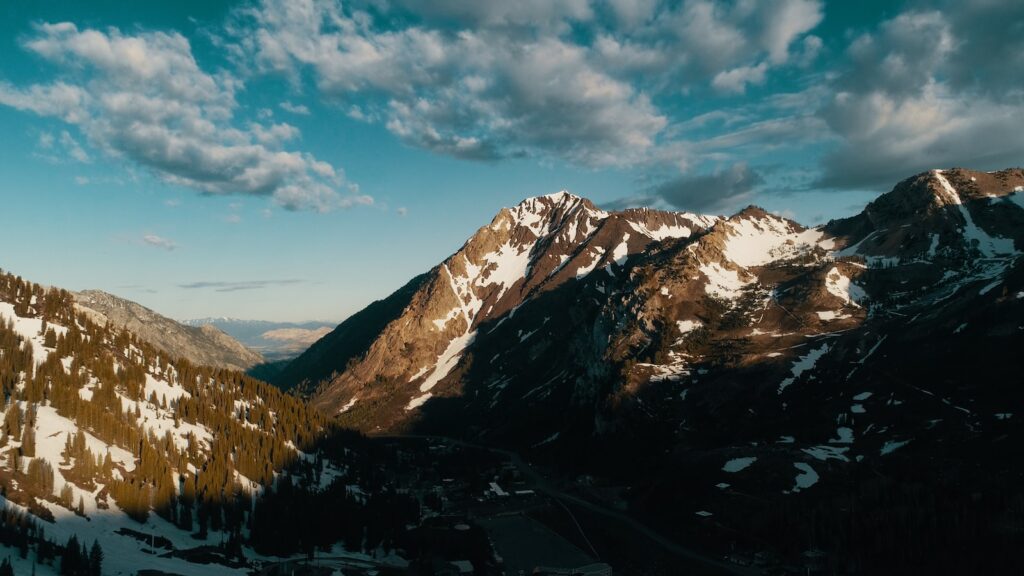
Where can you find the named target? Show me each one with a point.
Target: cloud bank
(143, 98)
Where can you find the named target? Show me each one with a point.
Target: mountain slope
(203, 345)
(525, 252)
(108, 439)
(748, 361)
(618, 289)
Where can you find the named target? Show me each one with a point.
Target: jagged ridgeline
(96, 421)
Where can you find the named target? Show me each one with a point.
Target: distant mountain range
(274, 340)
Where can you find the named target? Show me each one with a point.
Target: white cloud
(784, 22)
(159, 242)
(487, 80)
(737, 79)
(919, 92)
(299, 109)
(144, 98)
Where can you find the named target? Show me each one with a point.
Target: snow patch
(597, 254)
(893, 445)
(687, 326)
(722, 283)
(737, 464)
(448, 359)
(825, 453)
(989, 246)
(844, 435)
(758, 242)
(621, 252)
(418, 401)
(843, 288)
(802, 365)
(807, 477)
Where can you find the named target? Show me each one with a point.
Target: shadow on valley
(931, 484)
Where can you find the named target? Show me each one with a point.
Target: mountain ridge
(202, 345)
(803, 279)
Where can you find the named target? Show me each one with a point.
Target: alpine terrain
(201, 344)
(649, 391)
(116, 455)
(732, 372)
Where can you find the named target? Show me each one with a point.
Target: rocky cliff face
(864, 374)
(560, 320)
(203, 345)
(541, 246)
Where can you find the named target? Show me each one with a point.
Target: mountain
(274, 340)
(538, 247)
(581, 308)
(203, 345)
(116, 455)
(714, 365)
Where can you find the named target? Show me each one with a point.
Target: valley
(527, 288)
(640, 391)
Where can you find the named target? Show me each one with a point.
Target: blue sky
(297, 160)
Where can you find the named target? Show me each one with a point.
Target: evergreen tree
(70, 561)
(28, 442)
(95, 559)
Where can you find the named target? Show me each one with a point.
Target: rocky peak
(940, 213)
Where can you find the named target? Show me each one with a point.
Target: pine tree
(95, 559)
(28, 442)
(70, 560)
(50, 340)
(12, 420)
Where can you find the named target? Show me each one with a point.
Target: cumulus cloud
(721, 191)
(737, 79)
(486, 80)
(929, 89)
(144, 98)
(159, 242)
(711, 192)
(299, 109)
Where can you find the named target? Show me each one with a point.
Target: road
(328, 561)
(544, 485)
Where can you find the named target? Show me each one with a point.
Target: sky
(298, 159)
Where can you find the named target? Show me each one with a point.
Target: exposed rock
(203, 345)
(560, 317)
